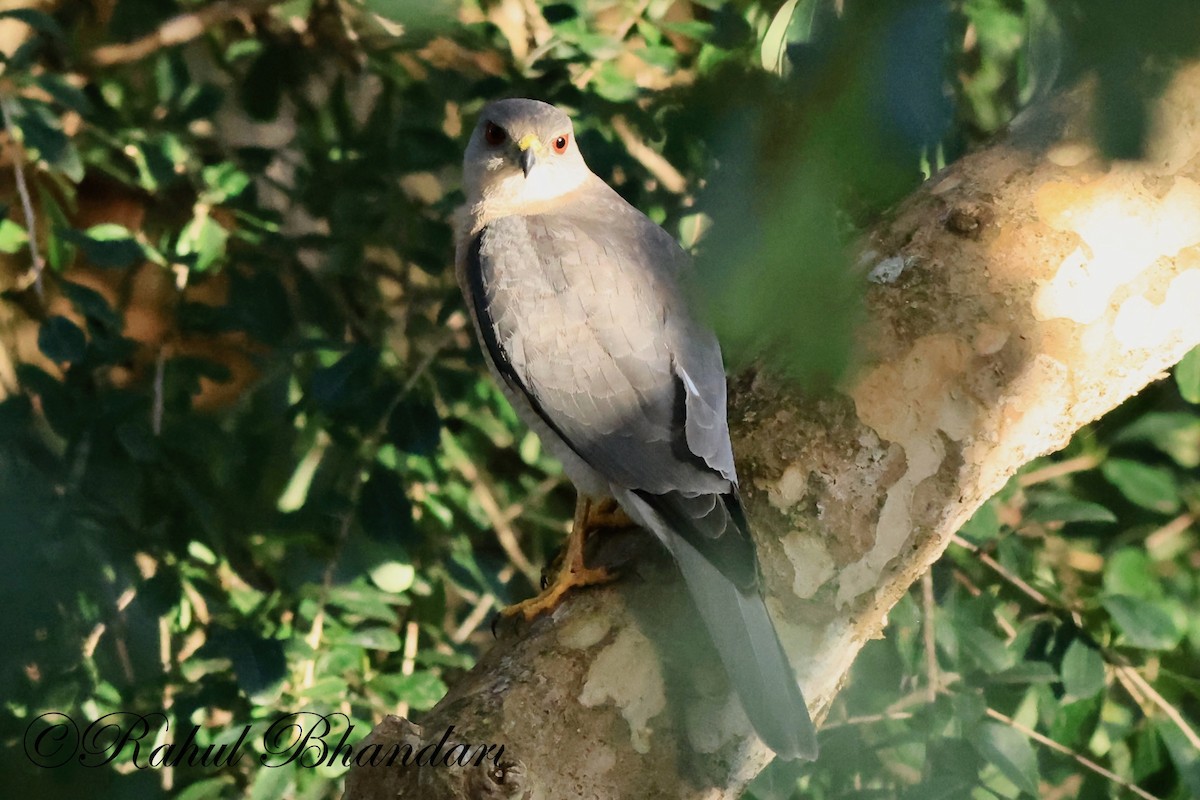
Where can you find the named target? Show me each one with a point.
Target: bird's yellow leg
(573, 572)
(606, 513)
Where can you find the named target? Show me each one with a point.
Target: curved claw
(573, 572)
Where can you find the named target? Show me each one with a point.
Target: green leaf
(1130, 572)
(415, 14)
(12, 236)
(204, 239)
(60, 340)
(414, 426)
(613, 85)
(1073, 723)
(107, 245)
(372, 639)
(989, 651)
(692, 29)
(279, 781)
(1187, 376)
(1183, 753)
(792, 23)
(984, 524)
(60, 253)
(530, 448)
(1153, 488)
(1150, 756)
(1082, 671)
(201, 552)
(941, 788)
(223, 181)
(1027, 672)
(262, 88)
(1145, 624)
(138, 440)
(41, 130)
(95, 309)
(258, 662)
(160, 161)
(38, 20)
(1011, 753)
(365, 601)
(341, 384)
(384, 509)
(1176, 433)
(208, 789)
(64, 92)
(1063, 507)
(393, 576)
(421, 690)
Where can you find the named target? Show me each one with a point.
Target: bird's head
(522, 152)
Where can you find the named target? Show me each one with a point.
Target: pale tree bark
(1017, 296)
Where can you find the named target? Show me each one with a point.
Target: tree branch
(37, 262)
(178, 30)
(1040, 287)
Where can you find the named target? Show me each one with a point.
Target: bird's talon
(567, 579)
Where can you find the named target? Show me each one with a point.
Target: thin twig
(422, 366)
(157, 409)
(177, 30)
(505, 534)
(533, 497)
(1161, 536)
(1058, 470)
(93, 638)
(869, 719)
(8, 374)
(313, 640)
(910, 700)
(408, 663)
(1137, 686)
(927, 626)
(478, 614)
(26, 202)
(671, 179)
(167, 780)
(539, 29)
(1126, 672)
(1003, 571)
(1083, 761)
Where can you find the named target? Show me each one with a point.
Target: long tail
(746, 642)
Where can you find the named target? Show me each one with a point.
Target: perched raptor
(576, 299)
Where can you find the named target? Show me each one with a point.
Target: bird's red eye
(493, 134)
(560, 144)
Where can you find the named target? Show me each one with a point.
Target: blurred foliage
(251, 463)
(1066, 607)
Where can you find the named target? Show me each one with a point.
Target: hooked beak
(529, 146)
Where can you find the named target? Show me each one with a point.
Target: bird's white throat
(515, 192)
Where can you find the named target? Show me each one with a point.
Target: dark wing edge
(487, 332)
(715, 525)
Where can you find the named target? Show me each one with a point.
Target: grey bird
(576, 300)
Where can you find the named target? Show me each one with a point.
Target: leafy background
(250, 462)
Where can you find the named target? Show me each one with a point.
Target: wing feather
(593, 360)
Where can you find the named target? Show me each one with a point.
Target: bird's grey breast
(582, 322)
(580, 317)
